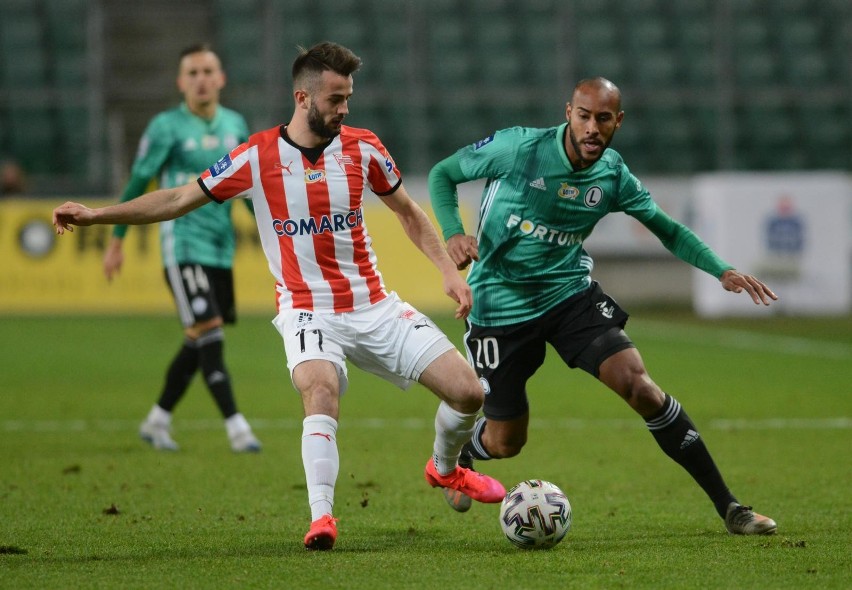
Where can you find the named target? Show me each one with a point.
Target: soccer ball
(535, 514)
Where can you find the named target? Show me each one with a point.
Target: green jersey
(176, 148)
(535, 213)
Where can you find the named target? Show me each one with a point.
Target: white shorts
(390, 339)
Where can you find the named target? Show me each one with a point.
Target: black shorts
(202, 293)
(585, 330)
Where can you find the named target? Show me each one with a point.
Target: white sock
(452, 430)
(321, 461)
(158, 415)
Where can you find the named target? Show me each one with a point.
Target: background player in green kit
(198, 248)
(531, 281)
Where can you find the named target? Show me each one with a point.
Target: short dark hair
(196, 48)
(311, 63)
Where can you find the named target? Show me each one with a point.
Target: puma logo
(286, 168)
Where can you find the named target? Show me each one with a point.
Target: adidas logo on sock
(691, 437)
(539, 184)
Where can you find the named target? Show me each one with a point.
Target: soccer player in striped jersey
(308, 180)
(532, 285)
(197, 249)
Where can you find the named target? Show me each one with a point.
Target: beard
(585, 163)
(317, 124)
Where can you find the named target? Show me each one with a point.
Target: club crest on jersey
(483, 142)
(567, 191)
(593, 197)
(343, 160)
(312, 176)
(220, 166)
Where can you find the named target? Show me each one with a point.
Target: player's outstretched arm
(155, 206)
(737, 282)
(686, 245)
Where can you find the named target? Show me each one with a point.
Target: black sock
(475, 446)
(211, 357)
(677, 436)
(179, 375)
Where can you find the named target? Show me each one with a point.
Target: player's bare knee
(506, 448)
(645, 397)
(320, 398)
(469, 397)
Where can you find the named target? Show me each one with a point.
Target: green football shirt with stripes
(176, 148)
(535, 213)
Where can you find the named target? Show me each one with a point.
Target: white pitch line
(745, 340)
(568, 424)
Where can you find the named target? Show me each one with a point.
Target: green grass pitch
(85, 504)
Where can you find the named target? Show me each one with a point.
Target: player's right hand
(69, 214)
(463, 250)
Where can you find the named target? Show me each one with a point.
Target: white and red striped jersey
(310, 215)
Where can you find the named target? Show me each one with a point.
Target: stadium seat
(70, 70)
(765, 132)
(22, 51)
(32, 137)
(241, 46)
(820, 122)
(808, 67)
(450, 64)
(600, 36)
(655, 69)
(756, 68)
(687, 10)
(647, 32)
(63, 18)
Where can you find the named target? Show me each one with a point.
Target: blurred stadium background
(709, 85)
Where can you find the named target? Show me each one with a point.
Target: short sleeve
(230, 176)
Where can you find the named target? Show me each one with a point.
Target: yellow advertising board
(43, 273)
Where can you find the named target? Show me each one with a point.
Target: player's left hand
(69, 214)
(458, 289)
(737, 282)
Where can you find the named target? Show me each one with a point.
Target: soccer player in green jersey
(532, 285)
(198, 248)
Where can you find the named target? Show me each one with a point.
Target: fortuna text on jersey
(541, 232)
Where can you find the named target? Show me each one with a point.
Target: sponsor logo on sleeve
(220, 166)
(483, 142)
